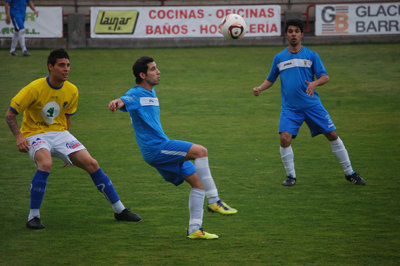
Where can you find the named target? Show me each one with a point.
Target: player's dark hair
(296, 23)
(141, 66)
(57, 54)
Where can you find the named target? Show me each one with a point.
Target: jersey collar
(53, 87)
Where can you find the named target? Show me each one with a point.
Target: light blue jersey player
(301, 71)
(16, 13)
(170, 157)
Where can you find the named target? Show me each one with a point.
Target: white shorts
(59, 143)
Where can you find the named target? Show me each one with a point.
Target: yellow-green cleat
(222, 208)
(200, 234)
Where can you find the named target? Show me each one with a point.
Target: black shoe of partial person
(35, 223)
(290, 181)
(26, 53)
(127, 215)
(13, 53)
(356, 179)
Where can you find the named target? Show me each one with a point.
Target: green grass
(205, 96)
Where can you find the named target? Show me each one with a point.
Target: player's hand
(22, 143)
(115, 104)
(8, 20)
(36, 13)
(256, 91)
(311, 88)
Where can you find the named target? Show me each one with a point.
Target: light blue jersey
(144, 109)
(294, 70)
(18, 7)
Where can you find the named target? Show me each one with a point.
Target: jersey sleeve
(73, 106)
(318, 66)
(131, 102)
(274, 72)
(22, 100)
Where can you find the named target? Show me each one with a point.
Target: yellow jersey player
(48, 104)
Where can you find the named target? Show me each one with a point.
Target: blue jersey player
(298, 67)
(170, 157)
(15, 13)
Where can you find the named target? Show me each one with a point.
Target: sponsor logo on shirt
(294, 63)
(148, 101)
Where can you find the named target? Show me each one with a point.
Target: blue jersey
(18, 7)
(144, 109)
(294, 70)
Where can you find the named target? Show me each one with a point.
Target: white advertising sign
(357, 19)
(178, 22)
(49, 23)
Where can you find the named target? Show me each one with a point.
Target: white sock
(14, 42)
(33, 213)
(196, 202)
(118, 207)
(21, 37)
(204, 173)
(288, 161)
(341, 153)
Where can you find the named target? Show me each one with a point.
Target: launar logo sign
(116, 22)
(335, 19)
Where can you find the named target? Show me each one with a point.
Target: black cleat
(290, 181)
(14, 53)
(127, 215)
(35, 223)
(356, 179)
(26, 53)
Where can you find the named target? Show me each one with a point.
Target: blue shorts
(18, 22)
(170, 162)
(317, 119)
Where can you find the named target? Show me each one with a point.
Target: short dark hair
(141, 66)
(296, 23)
(57, 54)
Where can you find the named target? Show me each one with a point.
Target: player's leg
(342, 155)
(84, 160)
(196, 202)
(319, 121)
(199, 154)
(14, 40)
(43, 161)
(289, 125)
(20, 23)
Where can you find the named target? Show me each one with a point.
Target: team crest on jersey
(50, 112)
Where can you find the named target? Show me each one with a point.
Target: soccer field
(206, 97)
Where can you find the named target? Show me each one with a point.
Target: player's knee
(44, 166)
(93, 165)
(286, 140)
(202, 152)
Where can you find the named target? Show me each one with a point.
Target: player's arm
(319, 82)
(22, 142)
(32, 6)
(68, 122)
(115, 104)
(7, 9)
(265, 85)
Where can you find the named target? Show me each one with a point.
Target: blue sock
(104, 185)
(38, 187)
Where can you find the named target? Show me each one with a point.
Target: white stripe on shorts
(179, 153)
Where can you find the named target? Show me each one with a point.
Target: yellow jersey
(45, 107)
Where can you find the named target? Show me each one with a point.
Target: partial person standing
(16, 13)
(47, 105)
(301, 71)
(170, 157)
